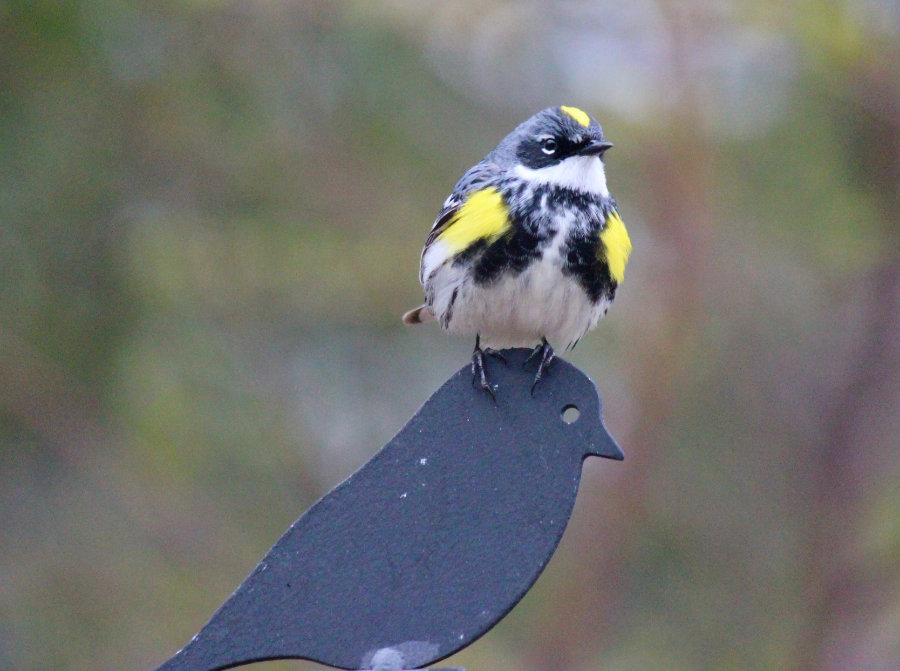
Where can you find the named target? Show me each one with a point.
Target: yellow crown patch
(577, 114)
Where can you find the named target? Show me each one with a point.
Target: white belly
(517, 311)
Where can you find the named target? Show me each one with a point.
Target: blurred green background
(210, 221)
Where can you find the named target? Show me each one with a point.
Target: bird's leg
(546, 357)
(478, 367)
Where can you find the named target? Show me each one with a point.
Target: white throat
(580, 173)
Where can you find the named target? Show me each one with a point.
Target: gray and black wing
(476, 178)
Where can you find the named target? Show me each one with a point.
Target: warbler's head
(560, 146)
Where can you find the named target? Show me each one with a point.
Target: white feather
(581, 173)
(436, 254)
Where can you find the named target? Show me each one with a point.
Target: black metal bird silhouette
(430, 543)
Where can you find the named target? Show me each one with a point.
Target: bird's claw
(478, 367)
(547, 355)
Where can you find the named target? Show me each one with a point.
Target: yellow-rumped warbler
(529, 246)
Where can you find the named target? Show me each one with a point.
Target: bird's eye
(548, 146)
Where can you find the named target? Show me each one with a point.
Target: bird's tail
(420, 315)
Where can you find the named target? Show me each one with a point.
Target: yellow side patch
(616, 246)
(577, 114)
(484, 216)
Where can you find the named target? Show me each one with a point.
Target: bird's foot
(478, 373)
(547, 355)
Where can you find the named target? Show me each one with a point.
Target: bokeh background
(210, 221)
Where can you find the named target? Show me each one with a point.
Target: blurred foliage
(210, 221)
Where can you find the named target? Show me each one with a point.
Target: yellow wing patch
(577, 114)
(616, 246)
(484, 215)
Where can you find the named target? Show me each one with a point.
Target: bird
(430, 543)
(529, 247)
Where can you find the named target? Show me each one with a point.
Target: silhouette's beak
(604, 445)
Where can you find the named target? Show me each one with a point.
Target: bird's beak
(595, 148)
(604, 445)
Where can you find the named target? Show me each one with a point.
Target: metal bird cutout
(430, 543)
